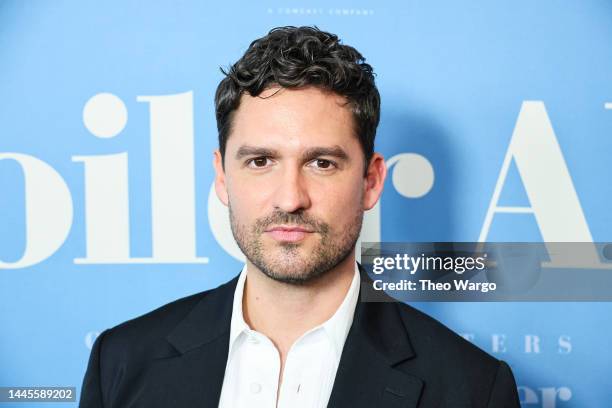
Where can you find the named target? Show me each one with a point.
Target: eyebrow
(334, 151)
(309, 154)
(245, 150)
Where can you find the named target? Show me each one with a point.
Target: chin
(288, 270)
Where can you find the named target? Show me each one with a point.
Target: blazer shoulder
(121, 355)
(146, 334)
(455, 368)
(429, 337)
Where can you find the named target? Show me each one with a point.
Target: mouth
(289, 233)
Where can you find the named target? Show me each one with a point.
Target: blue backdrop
(496, 125)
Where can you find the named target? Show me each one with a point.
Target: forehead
(293, 117)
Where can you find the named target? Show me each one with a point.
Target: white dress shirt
(253, 363)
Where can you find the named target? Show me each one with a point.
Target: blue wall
(456, 79)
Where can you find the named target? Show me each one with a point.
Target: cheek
(342, 204)
(249, 189)
(242, 205)
(249, 205)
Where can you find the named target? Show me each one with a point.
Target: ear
(374, 181)
(220, 186)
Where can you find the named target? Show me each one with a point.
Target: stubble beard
(285, 262)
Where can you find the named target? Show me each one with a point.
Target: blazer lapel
(370, 373)
(193, 376)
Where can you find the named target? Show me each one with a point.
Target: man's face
(294, 182)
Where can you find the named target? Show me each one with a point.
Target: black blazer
(394, 356)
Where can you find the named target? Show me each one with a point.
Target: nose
(292, 192)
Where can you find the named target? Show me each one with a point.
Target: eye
(257, 162)
(324, 164)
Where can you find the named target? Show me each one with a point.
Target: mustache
(294, 218)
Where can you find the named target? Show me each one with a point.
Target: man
(297, 115)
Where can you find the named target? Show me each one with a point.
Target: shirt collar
(336, 327)
(238, 325)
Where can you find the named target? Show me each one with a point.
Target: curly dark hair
(294, 57)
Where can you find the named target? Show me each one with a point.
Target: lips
(288, 233)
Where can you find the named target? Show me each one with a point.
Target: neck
(283, 311)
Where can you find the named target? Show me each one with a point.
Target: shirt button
(255, 388)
